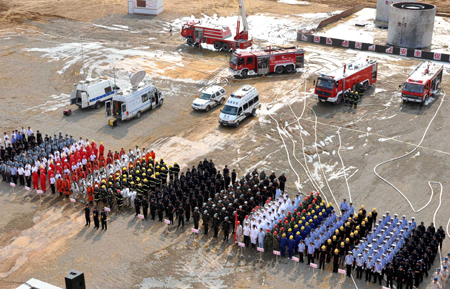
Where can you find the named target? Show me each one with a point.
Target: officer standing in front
(104, 219)
(87, 212)
(95, 214)
(349, 262)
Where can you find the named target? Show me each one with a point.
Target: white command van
(209, 98)
(242, 103)
(91, 93)
(132, 102)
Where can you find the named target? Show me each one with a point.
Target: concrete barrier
(338, 17)
(390, 50)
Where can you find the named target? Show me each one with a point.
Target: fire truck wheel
(424, 101)
(289, 69)
(217, 45)
(190, 41)
(225, 47)
(338, 100)
(366, 85)
(279, 70)
(244, 74)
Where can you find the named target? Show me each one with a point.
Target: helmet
(334, 238)
(374, 209)
(291, 237)
(323, 247)
(347, 240)
(290, 230)
(298, 232)
(362, 206)
(329, 240)
(284, 235)
(342, 244)
(336, 251)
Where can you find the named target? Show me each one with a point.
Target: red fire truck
(220, 36)
(422, 83)
(278, 60)
(332, 85)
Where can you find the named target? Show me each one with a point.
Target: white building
(147, 7)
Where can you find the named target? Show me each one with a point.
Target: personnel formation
(255, 207)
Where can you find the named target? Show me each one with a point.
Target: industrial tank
(411, 24)
(384, 8)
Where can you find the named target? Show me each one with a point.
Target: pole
(260, 257)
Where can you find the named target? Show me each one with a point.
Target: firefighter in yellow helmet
(336, 258)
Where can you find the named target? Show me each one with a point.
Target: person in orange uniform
(59, 186)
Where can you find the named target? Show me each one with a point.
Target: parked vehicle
(422, 83)
(91, 93)
(278, 60)
(196, 33)
(241, 104)
(332, 85)
(209, 98)
(132, 102)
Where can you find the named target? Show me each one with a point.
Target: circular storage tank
(411, 25)
(384, 8)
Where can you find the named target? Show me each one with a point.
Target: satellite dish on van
(136, 78)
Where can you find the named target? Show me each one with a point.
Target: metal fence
(407, 52)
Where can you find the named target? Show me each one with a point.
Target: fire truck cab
(422, 83)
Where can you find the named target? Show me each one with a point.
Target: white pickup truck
(209, 98)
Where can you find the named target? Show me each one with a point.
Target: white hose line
(407, 154)
(307, 171)
(287, 152)
(353, 281)
(435, 212)
(343, 166)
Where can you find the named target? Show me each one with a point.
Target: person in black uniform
(196, 217)
(145, 206)
(153, 207)
(180, 213)
(205, 218)
(226, 229)
(137, 206)
(215, 223)
(95, 214)
(409, 279)
(104, 219)
(170, 210)
(400, 278)
(390, 276)
(187, 210)
(161, 210)
(87, 213)
(336, 258)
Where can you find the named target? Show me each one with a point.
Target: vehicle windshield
(186, 27)
(231, 110)
(233, 60)
(326, 84)
(416, 88)
(204, 96)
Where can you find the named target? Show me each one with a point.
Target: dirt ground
(40, 59)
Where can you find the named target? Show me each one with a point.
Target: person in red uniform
(101, 149)
(90, 192)
(66, 187)
(35, 181)
(43, 182)
(59, 186)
